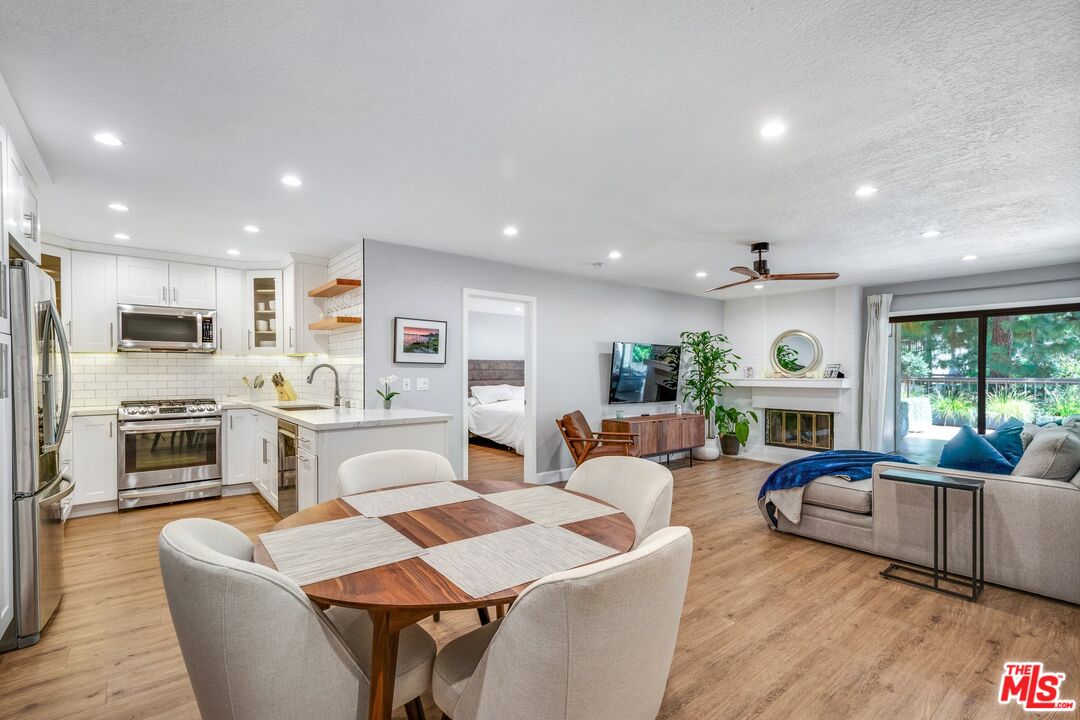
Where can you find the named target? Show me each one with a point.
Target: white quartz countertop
(325, 418)
(338, 418)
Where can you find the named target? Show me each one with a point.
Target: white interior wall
(496, 336)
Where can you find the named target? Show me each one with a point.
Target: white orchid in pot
(386, 393)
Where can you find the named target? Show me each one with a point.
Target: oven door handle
(164, 426)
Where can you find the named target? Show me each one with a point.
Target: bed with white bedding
(502, 421)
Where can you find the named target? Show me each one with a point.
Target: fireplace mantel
(805, 383)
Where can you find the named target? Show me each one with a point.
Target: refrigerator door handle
(57, 326)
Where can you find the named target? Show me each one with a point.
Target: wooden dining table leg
(384, 649)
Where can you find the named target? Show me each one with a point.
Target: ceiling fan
(760, 272)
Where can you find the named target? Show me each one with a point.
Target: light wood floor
(494, 463)
(774, 626)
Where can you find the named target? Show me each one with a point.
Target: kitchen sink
(302, 407)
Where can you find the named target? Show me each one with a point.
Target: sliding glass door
(980, 369)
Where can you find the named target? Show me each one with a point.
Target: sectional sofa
(1032, 525)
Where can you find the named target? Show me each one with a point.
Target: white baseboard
(98, 508)
(554, 476)
(240, 489)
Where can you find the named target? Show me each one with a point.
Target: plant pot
(386, 404)
(708, 451)
(729, 444)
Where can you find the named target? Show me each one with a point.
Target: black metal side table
(942, 484)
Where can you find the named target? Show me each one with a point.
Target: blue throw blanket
(852, 464)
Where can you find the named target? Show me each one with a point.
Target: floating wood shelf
(333, 323)
(337, 286)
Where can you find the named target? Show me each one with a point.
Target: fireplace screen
(799, 429)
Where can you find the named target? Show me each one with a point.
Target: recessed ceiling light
(510, 231)
(773, 129)
(291, 181)
(233, 251)
(865, 191)
(518, 308)
(614, 254)
(759, 287)
(701, 273)
(931, 234)
(970, 257)
(107, 138)
(118, 207)
(122, 236)
(251, 228)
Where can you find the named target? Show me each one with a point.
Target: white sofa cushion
(837, 493)
(1052, 454)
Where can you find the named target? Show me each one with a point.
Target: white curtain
(875, 379)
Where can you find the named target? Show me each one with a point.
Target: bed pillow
(517, 392)
(487, 394)
(968, 450)
(1053, 454)
(1006, 440)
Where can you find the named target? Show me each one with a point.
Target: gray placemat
(549, 506)
(326, 550)
(500, 560)
(411, 497)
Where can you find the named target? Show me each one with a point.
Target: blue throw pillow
(968, 450)
(1006, 440)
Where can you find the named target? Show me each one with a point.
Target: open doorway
(498, 392)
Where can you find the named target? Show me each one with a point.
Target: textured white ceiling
(590, 126)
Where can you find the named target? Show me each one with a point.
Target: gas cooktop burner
(165, 409)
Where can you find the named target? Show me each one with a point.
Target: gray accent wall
(577, 320)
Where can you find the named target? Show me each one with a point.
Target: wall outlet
(406, 384)
(421, 384)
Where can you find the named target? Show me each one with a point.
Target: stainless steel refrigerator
(41, 402)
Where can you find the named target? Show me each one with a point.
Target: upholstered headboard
(496, 372)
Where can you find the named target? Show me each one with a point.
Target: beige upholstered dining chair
(595, 642)
(640, 488)
(389, 468)
(255, 646)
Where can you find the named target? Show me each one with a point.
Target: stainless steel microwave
(166, 329)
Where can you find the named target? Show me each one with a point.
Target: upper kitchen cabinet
(300, 310)
(93, 314)
(231, 337)
(262, 311)
(56, 262)
(22, 226)
(145, 281)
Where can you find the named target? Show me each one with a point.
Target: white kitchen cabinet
(7, 579)
(22, 227)
(192, 286)
(142, 281)
(299, 310)
(262, 308)
(56, 261)
(266, 466)
(230, 313)
(31, 237)
(94, 458)
(239, 447)
(5, 305)
(93, 293)
(307, 479)
(146, 281)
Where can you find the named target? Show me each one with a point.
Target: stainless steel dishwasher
(286, 474)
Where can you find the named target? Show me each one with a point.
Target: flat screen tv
(643, 373)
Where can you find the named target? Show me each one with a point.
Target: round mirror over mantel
(795, 353)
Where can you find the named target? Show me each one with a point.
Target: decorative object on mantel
(419, 341)
(795, 353)
(386, 393)
(708, 357)
(748, 372)
(832, 370)
(761, 274)
(734, 428)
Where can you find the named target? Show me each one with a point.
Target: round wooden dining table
(402, 593)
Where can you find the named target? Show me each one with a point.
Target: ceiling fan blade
(805, 276)
(752, 274)
(741, 282)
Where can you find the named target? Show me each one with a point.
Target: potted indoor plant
(386, 393)
(734, 427)
(706, 358)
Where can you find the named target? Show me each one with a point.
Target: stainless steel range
(169, 450)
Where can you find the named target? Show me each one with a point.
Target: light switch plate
(421, 384)
(406, 384)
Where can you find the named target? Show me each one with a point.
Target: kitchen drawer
(265, 422)
(309, 440)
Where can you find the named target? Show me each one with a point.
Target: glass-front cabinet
(263, 311)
